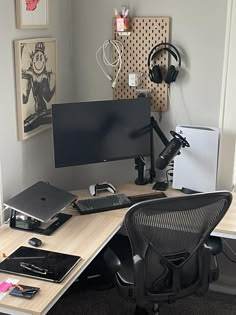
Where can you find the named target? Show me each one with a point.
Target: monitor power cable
(119, 48)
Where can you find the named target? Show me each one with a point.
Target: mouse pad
(39, 264)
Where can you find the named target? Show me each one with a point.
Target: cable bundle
(119, 48)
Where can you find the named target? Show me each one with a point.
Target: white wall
(228, 112)
(80, 27)
(197, 29)
(227, 280)
(25, 162)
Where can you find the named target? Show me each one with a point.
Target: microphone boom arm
(158, 131)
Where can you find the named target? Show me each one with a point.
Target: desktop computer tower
(195, 168)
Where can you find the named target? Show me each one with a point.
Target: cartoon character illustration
(41, 82)
(31, 5)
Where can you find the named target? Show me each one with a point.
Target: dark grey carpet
(108, 302)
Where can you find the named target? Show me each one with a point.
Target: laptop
(41, 201)
(39, 264)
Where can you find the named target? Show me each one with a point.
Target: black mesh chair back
(169, 244)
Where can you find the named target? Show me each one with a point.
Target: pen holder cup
(122, 24)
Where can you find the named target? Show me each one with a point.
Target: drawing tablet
(39, 264)
(41, 201)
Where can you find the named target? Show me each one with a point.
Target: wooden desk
(81, 235)
(226, 228)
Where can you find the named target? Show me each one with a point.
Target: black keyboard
(100, 204)
(112, 202)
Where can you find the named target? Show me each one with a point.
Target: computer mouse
(36, 242)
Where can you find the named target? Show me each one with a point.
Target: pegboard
(143, 35)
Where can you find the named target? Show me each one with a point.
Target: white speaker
(196, 167)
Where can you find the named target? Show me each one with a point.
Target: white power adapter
(135, 78)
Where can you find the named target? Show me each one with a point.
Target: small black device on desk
(34, 241)
(27, 293)
(160, 186)
(113, 202)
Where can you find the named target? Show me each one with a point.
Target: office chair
(171, 253)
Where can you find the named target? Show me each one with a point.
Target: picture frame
(36, 78)
(31, 14)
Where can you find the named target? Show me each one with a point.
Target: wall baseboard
(222, 287)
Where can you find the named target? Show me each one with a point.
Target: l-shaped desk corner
(84, 236)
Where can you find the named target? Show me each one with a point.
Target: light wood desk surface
(226, 228)
(84, 236)
(81, 235)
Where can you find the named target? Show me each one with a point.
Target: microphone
(171, 150)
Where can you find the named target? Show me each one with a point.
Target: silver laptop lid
(41, 201)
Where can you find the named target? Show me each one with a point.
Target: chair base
(156, 309)
(142, 311)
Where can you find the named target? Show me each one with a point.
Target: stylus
(33, 268)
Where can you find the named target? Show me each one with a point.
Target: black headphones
(155, 73)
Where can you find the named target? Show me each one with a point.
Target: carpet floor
(107, 302)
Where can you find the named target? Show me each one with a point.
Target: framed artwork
(31, 13)
(36, 77)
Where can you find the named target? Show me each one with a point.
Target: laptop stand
(26, 223)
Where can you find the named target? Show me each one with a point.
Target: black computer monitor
(100, 131)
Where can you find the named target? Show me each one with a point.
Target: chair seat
(126, 272)
(123, 262)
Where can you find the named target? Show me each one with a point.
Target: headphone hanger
(155, 70)
(174, 52)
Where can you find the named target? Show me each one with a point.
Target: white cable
(119, 48)
(3, 210)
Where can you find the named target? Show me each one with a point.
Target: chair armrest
(112, 260)
(205, 269)
(215, 246)
(139, 279)
(214, 243)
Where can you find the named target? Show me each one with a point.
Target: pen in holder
(122, 20)
(122, 24)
